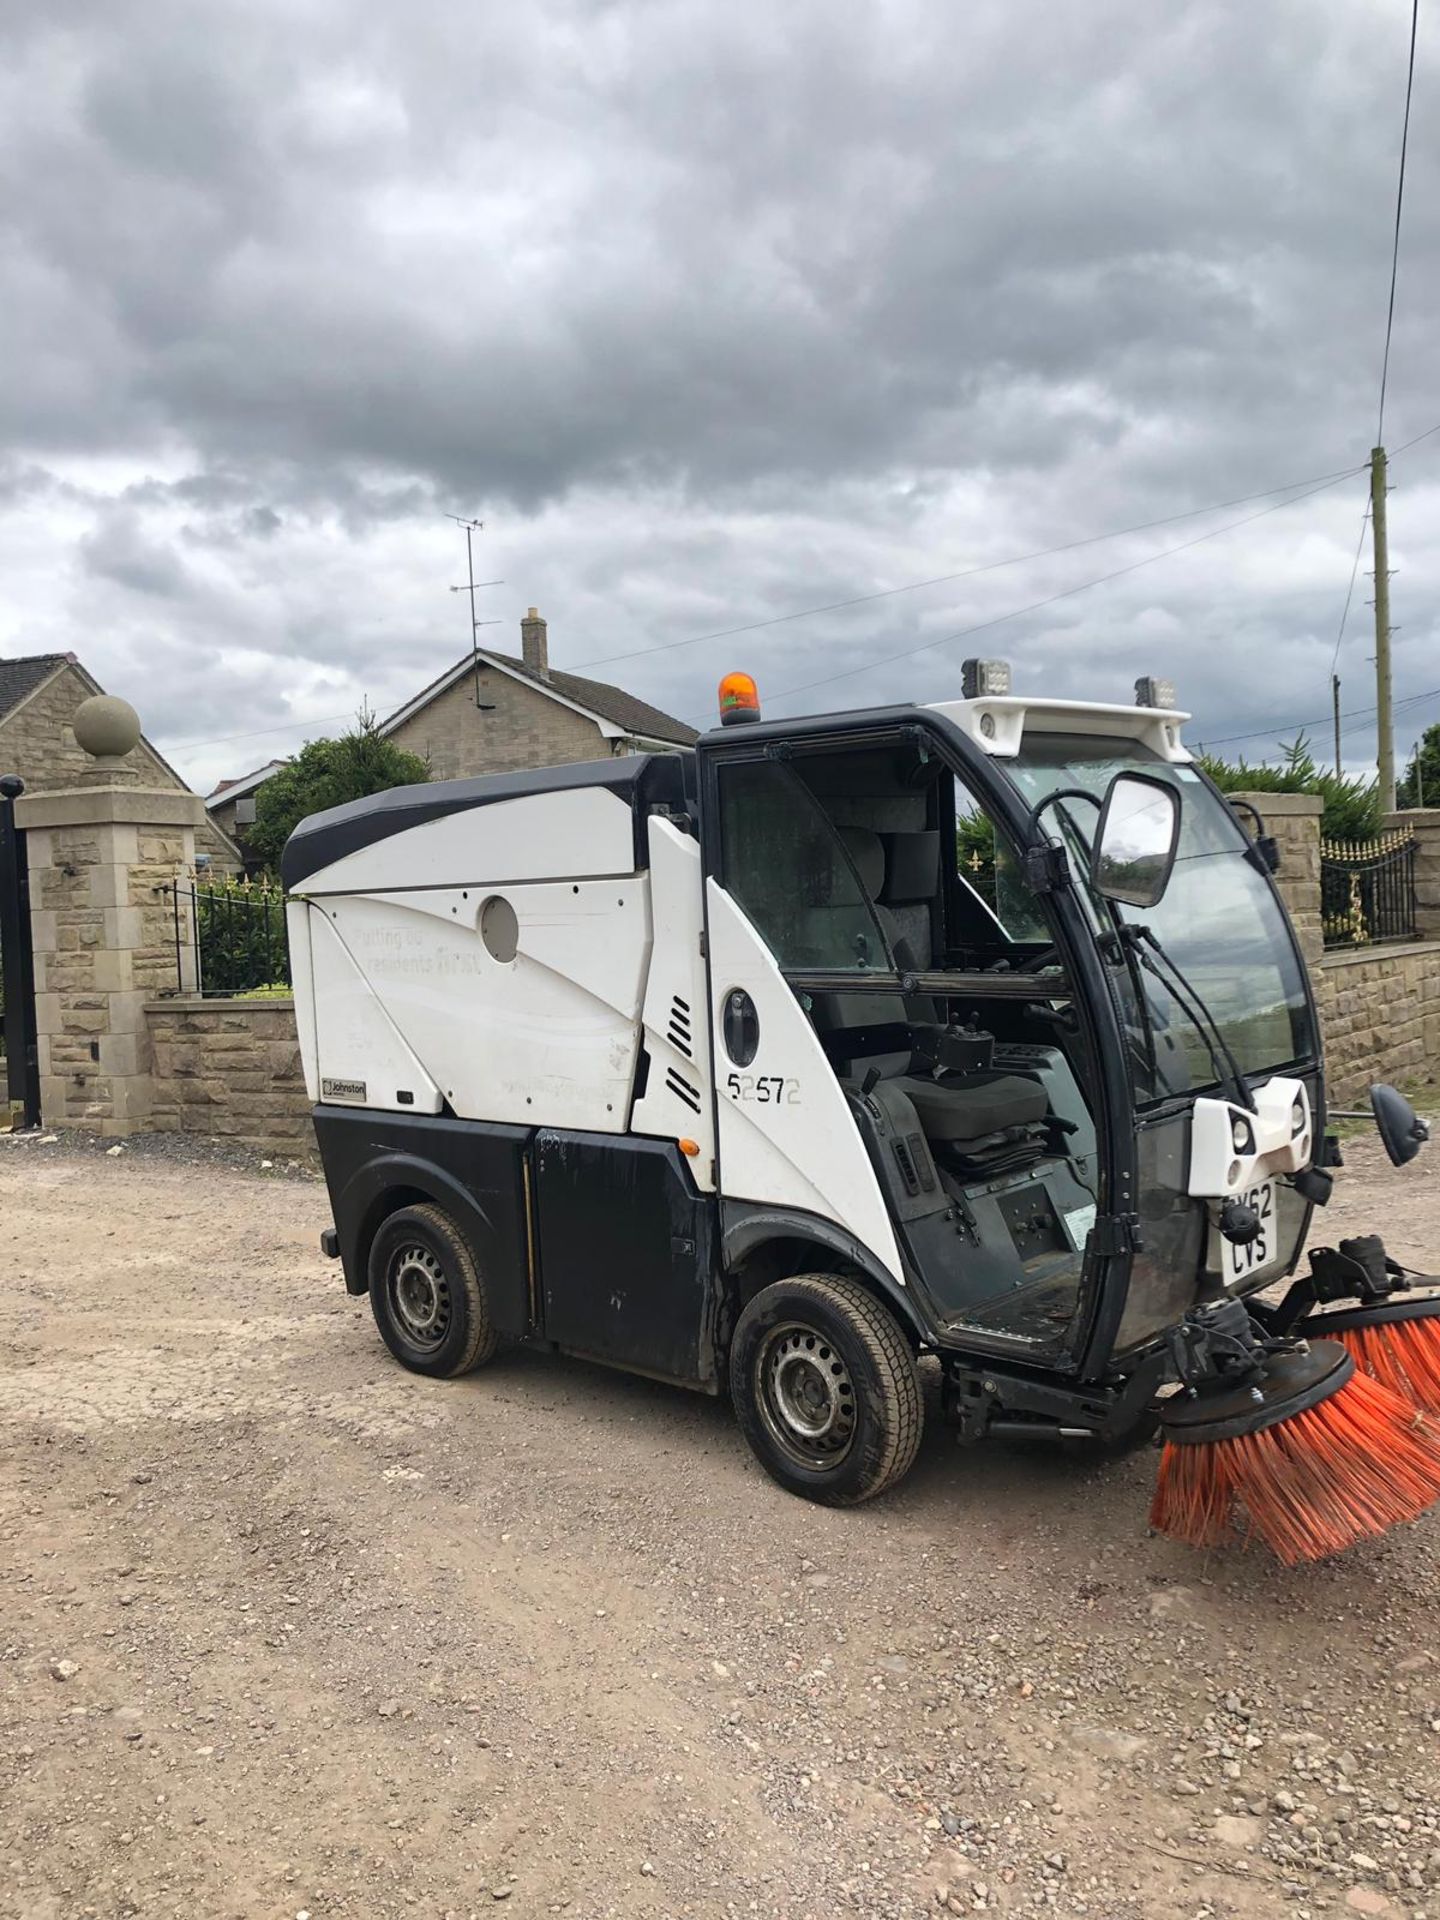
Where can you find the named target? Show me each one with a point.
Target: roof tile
(19, 678)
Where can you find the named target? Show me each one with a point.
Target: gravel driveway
(285, 1631)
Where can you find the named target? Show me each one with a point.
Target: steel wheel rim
(418, 1296)
(806, 1396)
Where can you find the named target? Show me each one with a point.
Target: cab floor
(1040, 1311)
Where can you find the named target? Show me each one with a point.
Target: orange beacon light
(739, 700)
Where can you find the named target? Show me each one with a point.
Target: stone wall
(1380, 1015)
(526, 728)
(230, 1069)
(1379, 1005)
(38, 742)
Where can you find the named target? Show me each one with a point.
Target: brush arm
(1358, 1269)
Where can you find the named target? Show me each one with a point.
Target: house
(496, 713)
(232, 803)
(39, 693)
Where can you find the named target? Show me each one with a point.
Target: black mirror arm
(1264, 849)
(1062, 793)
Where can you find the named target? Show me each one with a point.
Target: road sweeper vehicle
(975, 1031)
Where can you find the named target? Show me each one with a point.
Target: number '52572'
(770, 1089)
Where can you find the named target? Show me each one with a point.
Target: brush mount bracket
(1358, 1269)
(1295, 1380)
(1218, 1347)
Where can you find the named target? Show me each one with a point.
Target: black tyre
(426, 1294)
(825, 1388)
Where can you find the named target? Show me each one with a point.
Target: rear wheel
(426, 1294)
(825, 1389)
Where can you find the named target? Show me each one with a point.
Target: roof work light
(739, 700)
(985, 679)
(1150, 692)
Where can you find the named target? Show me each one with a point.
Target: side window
(995, 905)
(785, 866)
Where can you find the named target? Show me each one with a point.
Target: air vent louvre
(678, 1031)
(682, 1090)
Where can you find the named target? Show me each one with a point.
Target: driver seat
(959, 1112)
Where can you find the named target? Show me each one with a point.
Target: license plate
(1237, 1262)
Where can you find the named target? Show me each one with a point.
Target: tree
(1352, 805)
(975, 851)
(326, 773)
(1421, 785)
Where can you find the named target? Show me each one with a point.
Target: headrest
(912, 867)
(868, 856)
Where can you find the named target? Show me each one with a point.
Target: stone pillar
(101, 856)
(1425, 822)
(1294, 820)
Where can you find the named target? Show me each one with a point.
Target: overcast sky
(710, 312)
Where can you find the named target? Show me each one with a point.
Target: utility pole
(1383, 717)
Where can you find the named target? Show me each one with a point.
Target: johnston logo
(342, 1090)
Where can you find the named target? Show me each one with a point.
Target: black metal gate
(17, 965)
(1367, 889)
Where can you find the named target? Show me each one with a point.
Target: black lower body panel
(474, 1169)
(627, 1254)
(612, 1253)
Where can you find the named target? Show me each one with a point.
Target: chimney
(534, 646)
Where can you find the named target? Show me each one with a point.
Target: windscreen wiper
(1157, 961)
(1187, 995)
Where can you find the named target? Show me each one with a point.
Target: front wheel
(825, 1389)
(426, 1294)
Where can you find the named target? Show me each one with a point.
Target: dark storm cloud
(711, 311)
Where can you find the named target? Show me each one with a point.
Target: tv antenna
(472, 527)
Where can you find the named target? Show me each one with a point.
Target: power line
(966, 573)
(1288, 726)
(1315, 485)
(259, 733)
(1412, 700)
(1350, 590)
(835, 606)
(1066, 593)
(1416, 441)
(1399, 203)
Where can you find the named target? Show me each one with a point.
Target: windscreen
(1218, 922)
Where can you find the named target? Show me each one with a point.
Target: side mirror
(1402, 1131)
(1134, 849)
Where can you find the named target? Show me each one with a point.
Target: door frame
(1106, 1280)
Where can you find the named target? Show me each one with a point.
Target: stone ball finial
(106, 726)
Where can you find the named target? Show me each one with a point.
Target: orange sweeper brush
(1311, 1456)
(1395, 1341)
(1356, 1294)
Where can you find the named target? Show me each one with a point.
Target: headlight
(1240, 1136)
(1298, 1118)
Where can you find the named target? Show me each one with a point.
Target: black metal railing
(1367, 889)
(229, 937)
